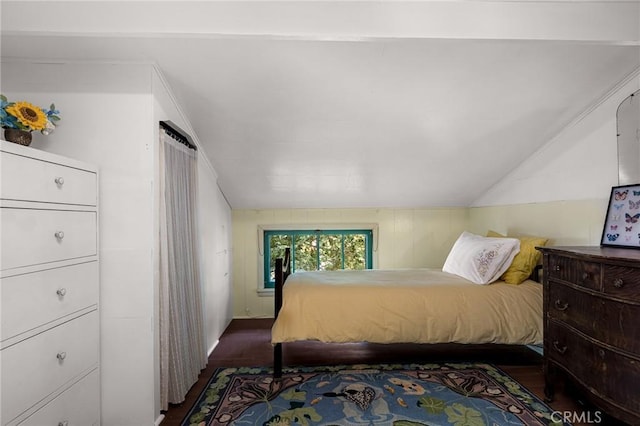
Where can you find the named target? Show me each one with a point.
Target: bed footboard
(282, 269)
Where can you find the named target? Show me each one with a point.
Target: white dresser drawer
(32, 300)
(29, 179)
(77, 406)
(32, 236)
(37, 367)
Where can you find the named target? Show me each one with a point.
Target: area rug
(460, 394)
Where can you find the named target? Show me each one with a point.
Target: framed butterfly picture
(622, 223)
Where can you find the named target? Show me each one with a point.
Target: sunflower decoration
(23, 115)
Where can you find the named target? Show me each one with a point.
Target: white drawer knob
(59, 181)
(61, 356)
(61, 292)
(59, 235)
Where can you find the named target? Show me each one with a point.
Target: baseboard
(213, 347)
(159, 420)
(243, 317)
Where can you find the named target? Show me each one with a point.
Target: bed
(402, 306)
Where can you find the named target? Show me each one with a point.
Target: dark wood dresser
(592, 325)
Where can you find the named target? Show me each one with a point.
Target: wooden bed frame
(282, 271)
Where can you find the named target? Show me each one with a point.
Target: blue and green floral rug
(460, 394)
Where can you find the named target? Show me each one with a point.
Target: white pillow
(481, 259)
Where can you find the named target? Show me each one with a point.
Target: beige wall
(575, 222)
(407, 238)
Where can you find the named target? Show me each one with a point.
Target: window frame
(370, 232)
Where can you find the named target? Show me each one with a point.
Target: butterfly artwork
(621, 195)
(623, 213)
(631, 219)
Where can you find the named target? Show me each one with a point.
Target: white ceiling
(319, 104)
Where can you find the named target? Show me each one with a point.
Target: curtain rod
(178, 134)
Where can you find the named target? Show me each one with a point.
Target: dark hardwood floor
(247, 342)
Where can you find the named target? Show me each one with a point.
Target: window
(318, 250)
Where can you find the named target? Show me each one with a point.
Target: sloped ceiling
(354, 104)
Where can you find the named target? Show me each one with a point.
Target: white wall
(109, 118)
(107, 113)
(561, 191)
(579, 163)
(215, 222)
(214, 216)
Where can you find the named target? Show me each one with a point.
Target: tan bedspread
(407, 306)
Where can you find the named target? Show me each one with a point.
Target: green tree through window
(318, 250)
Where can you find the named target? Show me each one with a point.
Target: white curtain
(182, 339)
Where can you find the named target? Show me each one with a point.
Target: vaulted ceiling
(354, 104)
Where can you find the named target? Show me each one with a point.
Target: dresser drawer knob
(585, 275)
(61, 356)
(560, 349)
(557, 268)
(59, 180)
(59, 235)
(561, 306)
(61, 292)
(601, 353)
(618, 283)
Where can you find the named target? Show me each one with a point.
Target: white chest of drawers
(49, 289)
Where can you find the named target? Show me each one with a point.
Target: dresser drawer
(622, 281)
(38, 366)
(583, 273)
(32, 236)
(34, 299)
(77, 406)
(608, 321)
(28, 179)
(616, 377)
(561, 268)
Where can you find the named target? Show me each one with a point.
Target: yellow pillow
(525, 261)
